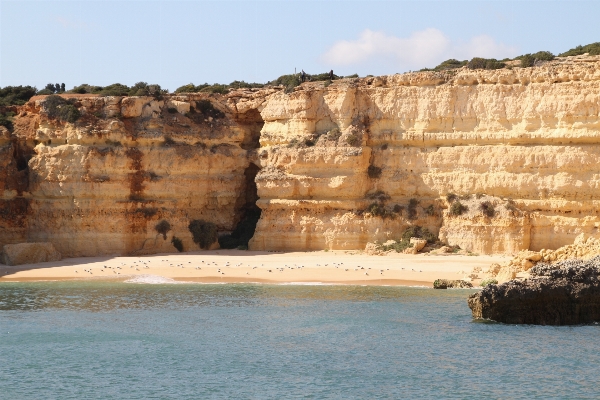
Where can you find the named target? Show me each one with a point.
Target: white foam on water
(153, 280)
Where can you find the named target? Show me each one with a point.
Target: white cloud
(424, 48)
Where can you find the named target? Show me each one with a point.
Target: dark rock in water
(451, 284)
(563, 293)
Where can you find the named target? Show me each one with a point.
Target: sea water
(103, 340)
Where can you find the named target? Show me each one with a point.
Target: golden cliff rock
(331, 166)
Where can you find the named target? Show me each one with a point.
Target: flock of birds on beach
(141, 264)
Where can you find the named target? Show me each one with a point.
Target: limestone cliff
(524, 137)
(338, 165)
(101, 185)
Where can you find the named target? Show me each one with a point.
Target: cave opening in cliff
(247, 215)
(22, 153)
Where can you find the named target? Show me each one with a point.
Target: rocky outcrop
(564, 293)
(583, 248)
(330, 166)
(28, 253)
(451, 284)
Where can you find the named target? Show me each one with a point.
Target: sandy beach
(231, 266)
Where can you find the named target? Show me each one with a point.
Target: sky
(173, 43)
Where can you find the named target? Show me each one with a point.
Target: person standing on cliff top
(303, 76)
(331, 75)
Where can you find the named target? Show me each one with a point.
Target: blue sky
(173, 43)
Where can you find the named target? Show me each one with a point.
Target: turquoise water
(86, 340)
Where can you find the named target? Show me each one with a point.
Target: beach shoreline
(337, 267)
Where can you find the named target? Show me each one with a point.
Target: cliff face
(526, 138)
(338, 166)
(102, 184)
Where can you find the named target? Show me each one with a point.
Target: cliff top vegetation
(19, 95)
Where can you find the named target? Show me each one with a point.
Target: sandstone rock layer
(28, 253)
(331, 167)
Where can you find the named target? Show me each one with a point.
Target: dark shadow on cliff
(248, 213)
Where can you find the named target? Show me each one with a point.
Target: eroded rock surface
(28, 253)
(563, 293)
(330, 167)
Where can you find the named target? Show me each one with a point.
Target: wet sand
(237, 266)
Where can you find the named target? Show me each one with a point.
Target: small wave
(153, 280)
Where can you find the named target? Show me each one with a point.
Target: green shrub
(379, 210)
(487, 208)
(216, 88)
(593, 49)
(352, 139)
(163, 227)
(450, 197)
(6, 119)
(16, 95)
(285, 80)
(69, 113)
(488, 281)
(527, 60)
(85, 88)
(116, 89)
(144, 89)
(450, 64)
(374, 172)
(245, 85)
(177, 243)
(204, 233)
(398, 209)
(62, 109)
(321, 77)
(288, 81)
(430, 210)
(399, 246)
(51, 88)
(485, 63)
(208, 110)
(404, 242)
(419, 232)
(189, 88)
(351, 76)
(457, 208)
